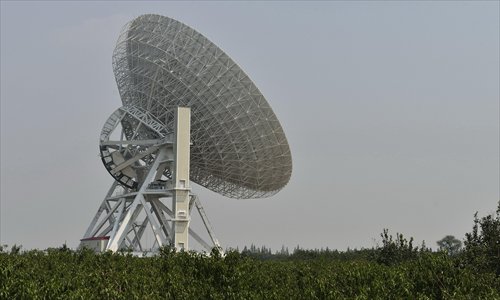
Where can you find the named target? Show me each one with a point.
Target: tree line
(396, 269)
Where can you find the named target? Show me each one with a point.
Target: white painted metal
(102, 207)
(161, 158)
(206, 222)
(238, 148)
(180, 191)
(234, 145)
(136, 206)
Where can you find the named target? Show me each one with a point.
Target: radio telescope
(189, 114)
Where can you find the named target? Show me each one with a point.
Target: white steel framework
(167, 72)
(157, 168)
(239, 148)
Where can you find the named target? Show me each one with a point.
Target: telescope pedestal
(125, 213)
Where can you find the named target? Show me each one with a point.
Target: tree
(482, 245)
(450, 244)
(394, 251)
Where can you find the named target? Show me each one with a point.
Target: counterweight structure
(189, 114)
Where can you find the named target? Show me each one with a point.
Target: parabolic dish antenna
(172, 78)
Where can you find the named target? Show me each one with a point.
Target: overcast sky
(391, 110)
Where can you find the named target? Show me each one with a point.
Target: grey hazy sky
(391, 110)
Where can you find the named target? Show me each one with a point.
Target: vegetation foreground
(394, 270)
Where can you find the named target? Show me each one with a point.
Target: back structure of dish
(238, 147)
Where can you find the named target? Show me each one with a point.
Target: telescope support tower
(125, 213)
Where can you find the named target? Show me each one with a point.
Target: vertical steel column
(180, 191)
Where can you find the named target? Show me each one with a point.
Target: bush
(482, 245)
(66, 274)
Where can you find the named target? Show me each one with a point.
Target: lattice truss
(239, 148)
